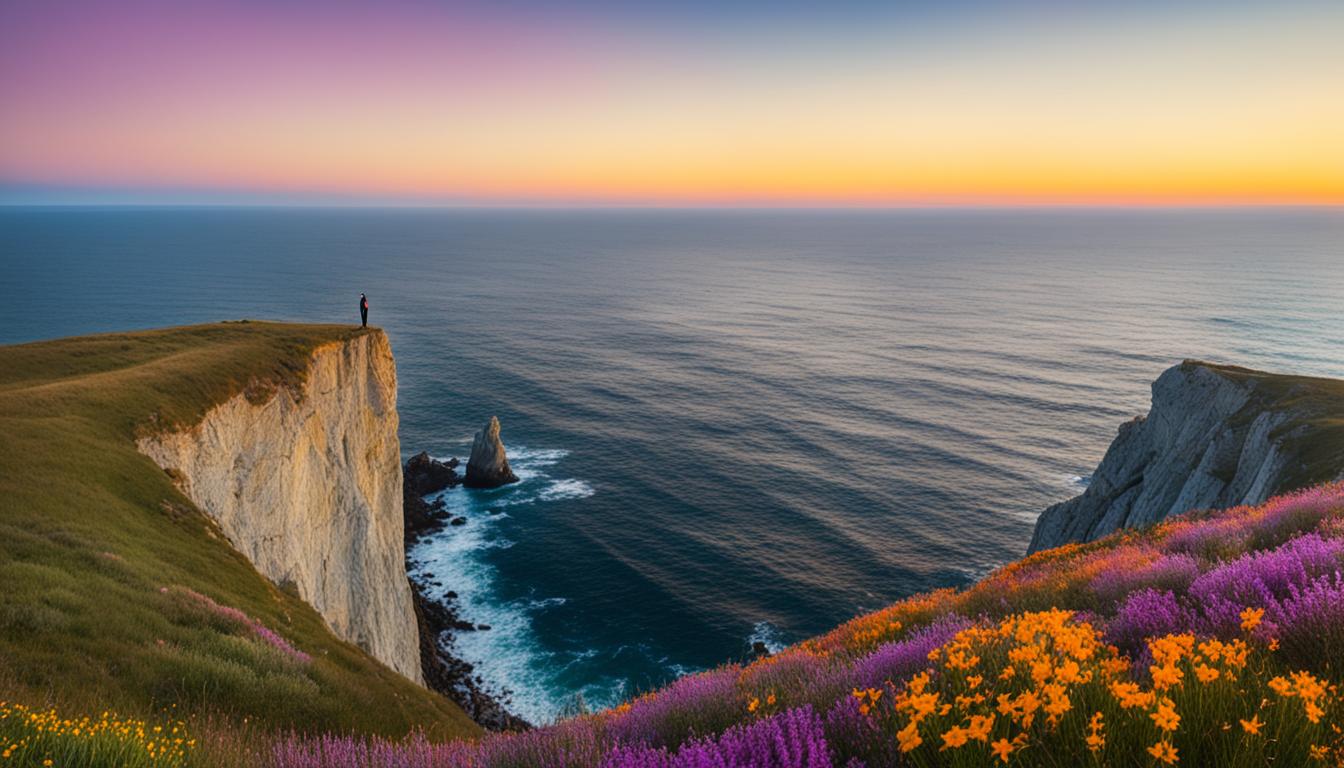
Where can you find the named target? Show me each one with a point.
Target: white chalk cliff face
(308, 487)
(1210, 441)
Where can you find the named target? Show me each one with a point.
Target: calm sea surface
(730, 425)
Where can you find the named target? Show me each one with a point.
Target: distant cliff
(1216, 436)
(307, 485)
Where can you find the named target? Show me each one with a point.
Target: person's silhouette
(363, 311)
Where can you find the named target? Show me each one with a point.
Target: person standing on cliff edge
(363, 311)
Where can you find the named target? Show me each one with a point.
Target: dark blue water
(730, 424)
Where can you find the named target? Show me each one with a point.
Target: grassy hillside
(1210, 639)
(1315, 434)
(117, 592)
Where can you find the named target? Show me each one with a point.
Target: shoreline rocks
(488, 466)
(423, 476)
(438, 620)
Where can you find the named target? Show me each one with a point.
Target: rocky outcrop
(1215, 437)
(425, 475)
(488, 467)
(308, 486)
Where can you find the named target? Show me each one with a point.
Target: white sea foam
(509, 656)
(769, 635)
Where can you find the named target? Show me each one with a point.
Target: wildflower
(1165, 676)
(1319, 752)
(753, 704)
(1281, 686)
(1250, 618)
(980, 727)
(1002, 749)
(1205, 673)
(1252, 726)
(1165, 717)
(1164, 752)
(954, 737)
(908, 737)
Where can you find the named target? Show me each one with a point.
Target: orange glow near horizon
(1173, 110)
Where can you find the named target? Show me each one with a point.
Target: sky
(520, 102)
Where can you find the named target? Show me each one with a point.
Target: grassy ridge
(120, 594)
(1213, 638)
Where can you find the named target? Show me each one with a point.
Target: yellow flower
(1164, 752)
(1250, 618)
(751, 707)
(1002, 749)
(1318, 752)
(1252, 726)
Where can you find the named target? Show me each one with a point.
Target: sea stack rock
(488, 467)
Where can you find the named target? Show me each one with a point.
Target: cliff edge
(307, 485)
(1215, 437)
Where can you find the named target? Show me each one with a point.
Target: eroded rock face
(1210, 441)
(425, 475)
(488, 467)
(308, 486)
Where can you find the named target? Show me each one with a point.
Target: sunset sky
(679, 103)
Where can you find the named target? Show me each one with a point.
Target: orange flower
(1250, 618)
(1205, 673)
(1252, 726)
(908, 737)
(955, 736)
(1165, 716)
(1164, 752)
(980, 727)
(1165, 676)
(1002, 749)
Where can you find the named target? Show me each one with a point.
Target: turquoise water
(731, 425)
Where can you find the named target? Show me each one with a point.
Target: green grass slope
(1315, 433)
(104, 563)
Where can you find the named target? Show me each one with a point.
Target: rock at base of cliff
(488, 467)
(425, 475)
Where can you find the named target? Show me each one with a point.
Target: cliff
(1215, 437)
(307, 485)
(120, 589)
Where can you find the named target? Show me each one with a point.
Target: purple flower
(791, 739)
(695, 705)
(1171, 572)
(1309, 623)
(1147, 613)
(903, 658)
(1262, 579)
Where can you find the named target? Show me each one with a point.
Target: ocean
(732, 426)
